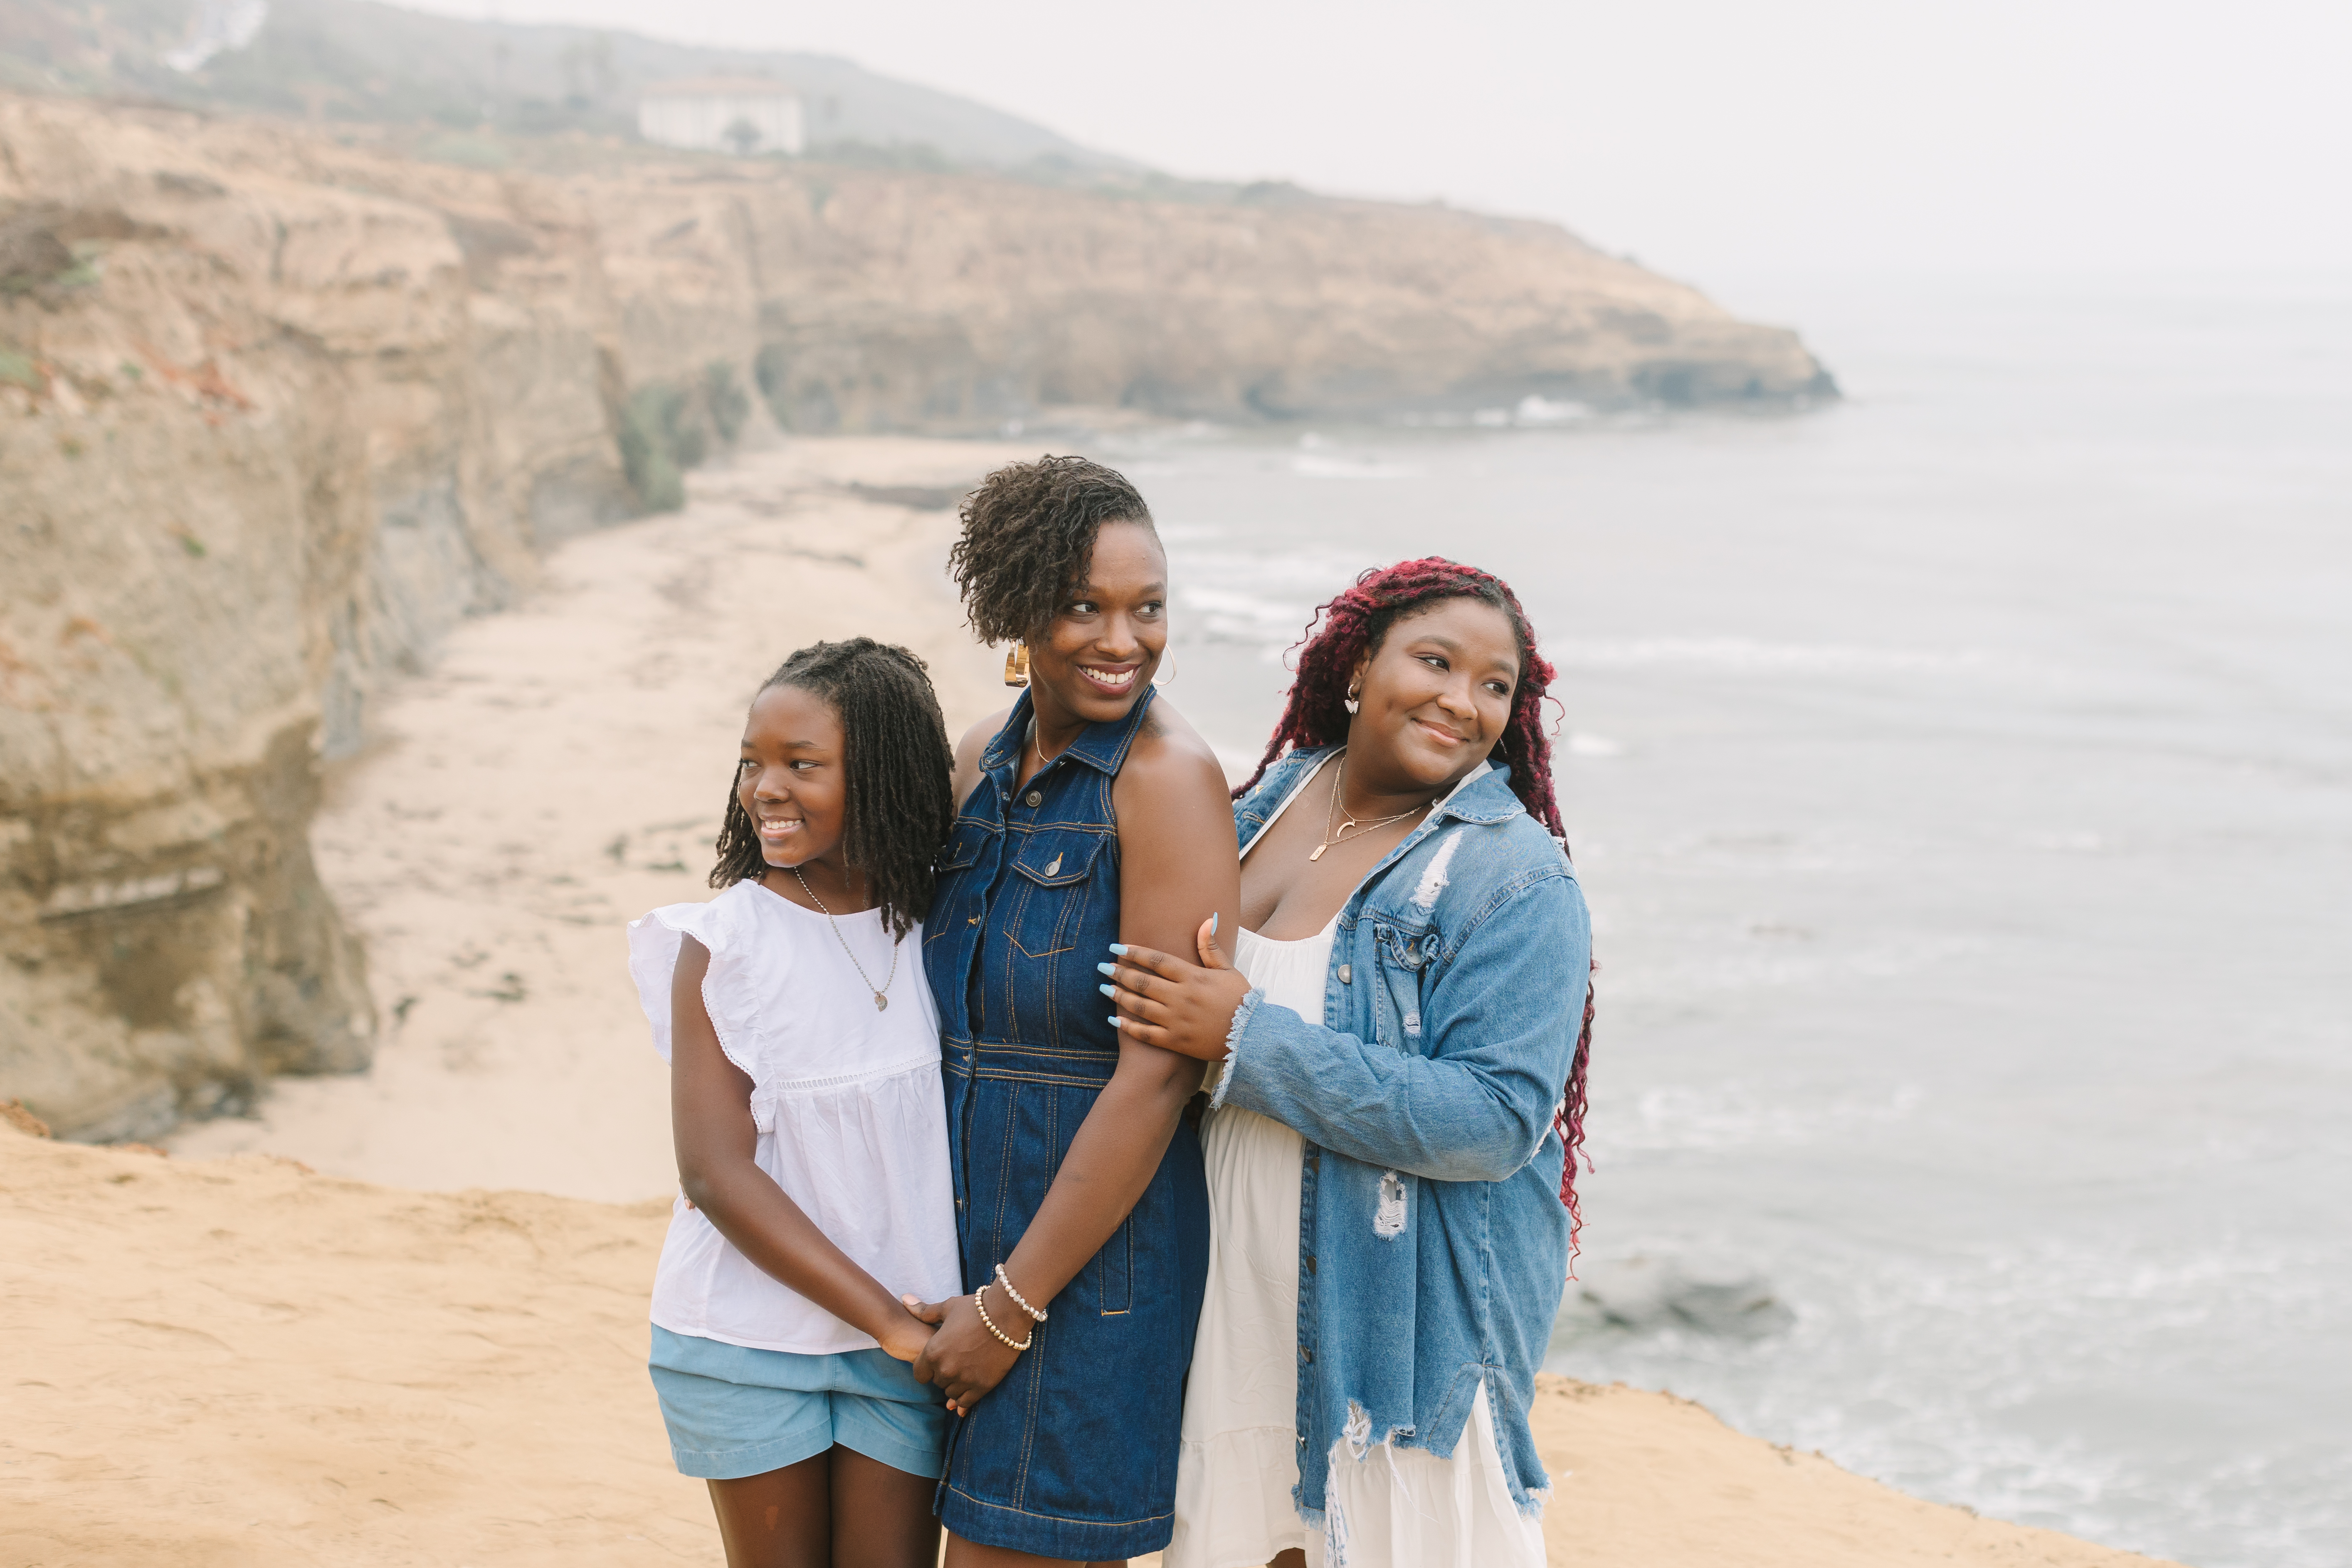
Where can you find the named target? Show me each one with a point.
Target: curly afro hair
(1028, 533)
(900, 807)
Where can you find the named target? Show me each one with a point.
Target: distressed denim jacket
(1432, 1246)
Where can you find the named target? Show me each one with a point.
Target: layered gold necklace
(1348, 827)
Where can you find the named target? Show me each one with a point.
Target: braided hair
(899, 806)
(1358, 621)
(1028, 533)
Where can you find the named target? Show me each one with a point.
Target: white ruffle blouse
(847, 1099)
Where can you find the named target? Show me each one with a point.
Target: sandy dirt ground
(560, 771)
(236, 1362)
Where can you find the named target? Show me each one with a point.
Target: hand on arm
(1474, 1108)
(710, 1122)
(1165, 1002)
(1178, 866)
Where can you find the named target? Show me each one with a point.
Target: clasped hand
(961, 1357)
(1178, 1006)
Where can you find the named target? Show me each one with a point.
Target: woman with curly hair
(1091, 814)
(1392, 1143)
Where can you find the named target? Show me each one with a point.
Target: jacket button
(1306, 1355)
(1345, 977)
(1310, 1263)
(1035, 797)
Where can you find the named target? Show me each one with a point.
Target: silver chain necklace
(881, 995)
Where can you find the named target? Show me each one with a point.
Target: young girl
(812, 1137)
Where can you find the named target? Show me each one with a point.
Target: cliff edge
(279, 404)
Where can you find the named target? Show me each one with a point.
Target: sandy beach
(238, 1361)
(326, 1335)
(558, 772)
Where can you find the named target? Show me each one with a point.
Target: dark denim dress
(1074, 1454)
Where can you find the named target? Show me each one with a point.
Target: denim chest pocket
(1056, 881)
(963, 849)
(972, 840)
(1407, 958)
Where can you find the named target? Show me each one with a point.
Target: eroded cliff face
(259, 444)
(922, 301)
(881, 300)
(277, 409)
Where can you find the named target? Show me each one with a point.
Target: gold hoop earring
(1016, 665)
(1166, 674)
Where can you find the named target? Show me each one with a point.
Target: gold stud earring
(1016, 665)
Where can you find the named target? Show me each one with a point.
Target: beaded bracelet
(1035, 1315)
(1000, 1333)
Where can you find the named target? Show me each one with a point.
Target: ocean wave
(1733, 1116)
(1994, 1376)
(1744, 655)
(1681, 980)
(1312, 466)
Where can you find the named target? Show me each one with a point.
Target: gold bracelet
(1035, 1315)
(1000, 1333)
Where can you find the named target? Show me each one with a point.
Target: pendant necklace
(881, 997)
(1340, 835)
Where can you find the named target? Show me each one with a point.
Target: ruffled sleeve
(654, 943)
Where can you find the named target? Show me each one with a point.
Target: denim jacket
(1432, 1246)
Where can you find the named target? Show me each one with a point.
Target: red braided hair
(1359, 619)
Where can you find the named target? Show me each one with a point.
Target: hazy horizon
(1703, 138)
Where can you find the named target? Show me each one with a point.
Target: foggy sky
(1703, 136)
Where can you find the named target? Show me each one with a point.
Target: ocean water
(1961, 777)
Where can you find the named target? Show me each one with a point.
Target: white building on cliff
(740, 114)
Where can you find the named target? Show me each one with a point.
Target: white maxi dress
(1394, 1508)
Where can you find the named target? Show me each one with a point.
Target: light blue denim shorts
(734, 1412)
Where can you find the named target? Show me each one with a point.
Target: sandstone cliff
(269, 444)
(276, 407)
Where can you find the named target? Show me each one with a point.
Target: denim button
(1035, 797)
(1310, 1263)
(1306, 1355)
(1345, 977)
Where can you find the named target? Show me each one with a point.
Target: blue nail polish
(1107, 990)
(1213, 917)
(1114, 1020)
(1106, 969)
(1120, 948)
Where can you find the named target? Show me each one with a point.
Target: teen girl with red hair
(1402, 1032)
